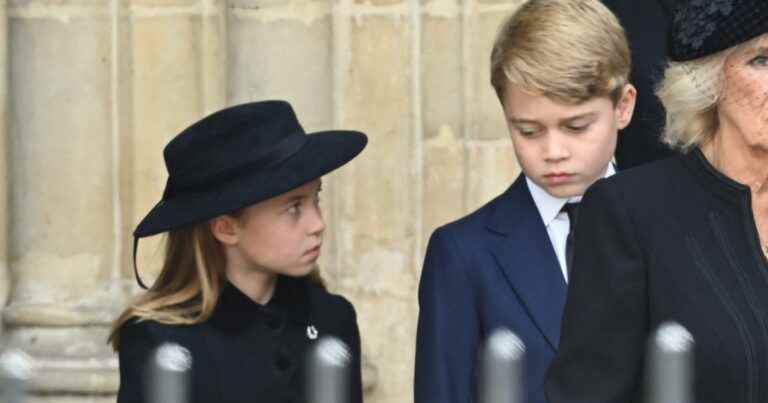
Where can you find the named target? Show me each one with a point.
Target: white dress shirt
(557, 223)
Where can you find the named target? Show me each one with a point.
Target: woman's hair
(567, 50)
(189, 284)
(690, 93)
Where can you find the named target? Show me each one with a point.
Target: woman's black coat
(246, 352)
(672, 240)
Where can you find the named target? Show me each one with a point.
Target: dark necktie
(572, 209)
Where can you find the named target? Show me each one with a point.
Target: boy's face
(565, 148)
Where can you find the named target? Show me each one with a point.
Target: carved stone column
(63, 208)
(4, 273)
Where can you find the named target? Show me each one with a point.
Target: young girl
(237, 287)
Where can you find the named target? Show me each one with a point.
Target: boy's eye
(577, 129)
(525, 132)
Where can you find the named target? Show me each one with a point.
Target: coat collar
(290, 301)
(723, 187)
(527, 259)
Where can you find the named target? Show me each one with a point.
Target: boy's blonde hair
(568, 50)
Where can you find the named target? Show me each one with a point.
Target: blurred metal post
(15, 371)
(670, 365)
(328, 372)
(502, 368)
(168, 377)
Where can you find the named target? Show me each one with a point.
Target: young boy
(560, 69)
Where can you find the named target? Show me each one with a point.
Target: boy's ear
(224, 229)
(625, 108)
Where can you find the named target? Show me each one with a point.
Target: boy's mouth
(557, 177)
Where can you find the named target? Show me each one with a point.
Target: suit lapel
(526, 257)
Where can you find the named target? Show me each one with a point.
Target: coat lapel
(525, 255)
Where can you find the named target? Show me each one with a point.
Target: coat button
(274, 323)
(282, 362)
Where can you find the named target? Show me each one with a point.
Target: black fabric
(136, 265)
(572, 210)
(646, 24)
(239, 156)
(704, 27)
(246, 352)
(671, 240)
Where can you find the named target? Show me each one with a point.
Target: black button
(274, 323)
(282, 362)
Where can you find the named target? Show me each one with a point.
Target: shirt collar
(549, 206)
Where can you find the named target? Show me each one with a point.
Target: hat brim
(322, 153)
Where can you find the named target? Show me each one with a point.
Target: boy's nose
(555, 149)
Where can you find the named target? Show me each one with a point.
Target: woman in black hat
(684, 239)
(237, 287)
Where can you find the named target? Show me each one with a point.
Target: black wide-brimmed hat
(239, 156)
(704, 27)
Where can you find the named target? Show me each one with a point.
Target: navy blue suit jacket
(493, 268)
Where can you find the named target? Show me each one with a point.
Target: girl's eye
(295, 209)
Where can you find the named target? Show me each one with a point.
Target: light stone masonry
(96, 89)
(61, 205)
(5, 279)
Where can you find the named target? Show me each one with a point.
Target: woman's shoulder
(650, 174)
(652, 182)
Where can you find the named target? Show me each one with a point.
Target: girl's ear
(626, 106)
(224, 229)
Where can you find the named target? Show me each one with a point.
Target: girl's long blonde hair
(189, 284)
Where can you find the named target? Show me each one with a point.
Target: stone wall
(90, 92)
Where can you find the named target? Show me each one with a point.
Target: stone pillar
(445, 153)
(178, 75)
(63, 205)
(491, 162)
(377, 90)
(282, 50)
(5, 280)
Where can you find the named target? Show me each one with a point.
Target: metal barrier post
(502, 368)
(670, 365)
(168, 380)
(328, 372)
(15, 371)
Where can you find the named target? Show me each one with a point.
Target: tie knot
(572, 209)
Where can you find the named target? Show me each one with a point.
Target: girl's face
(281, 235)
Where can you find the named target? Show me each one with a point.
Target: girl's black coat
(246, 352)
